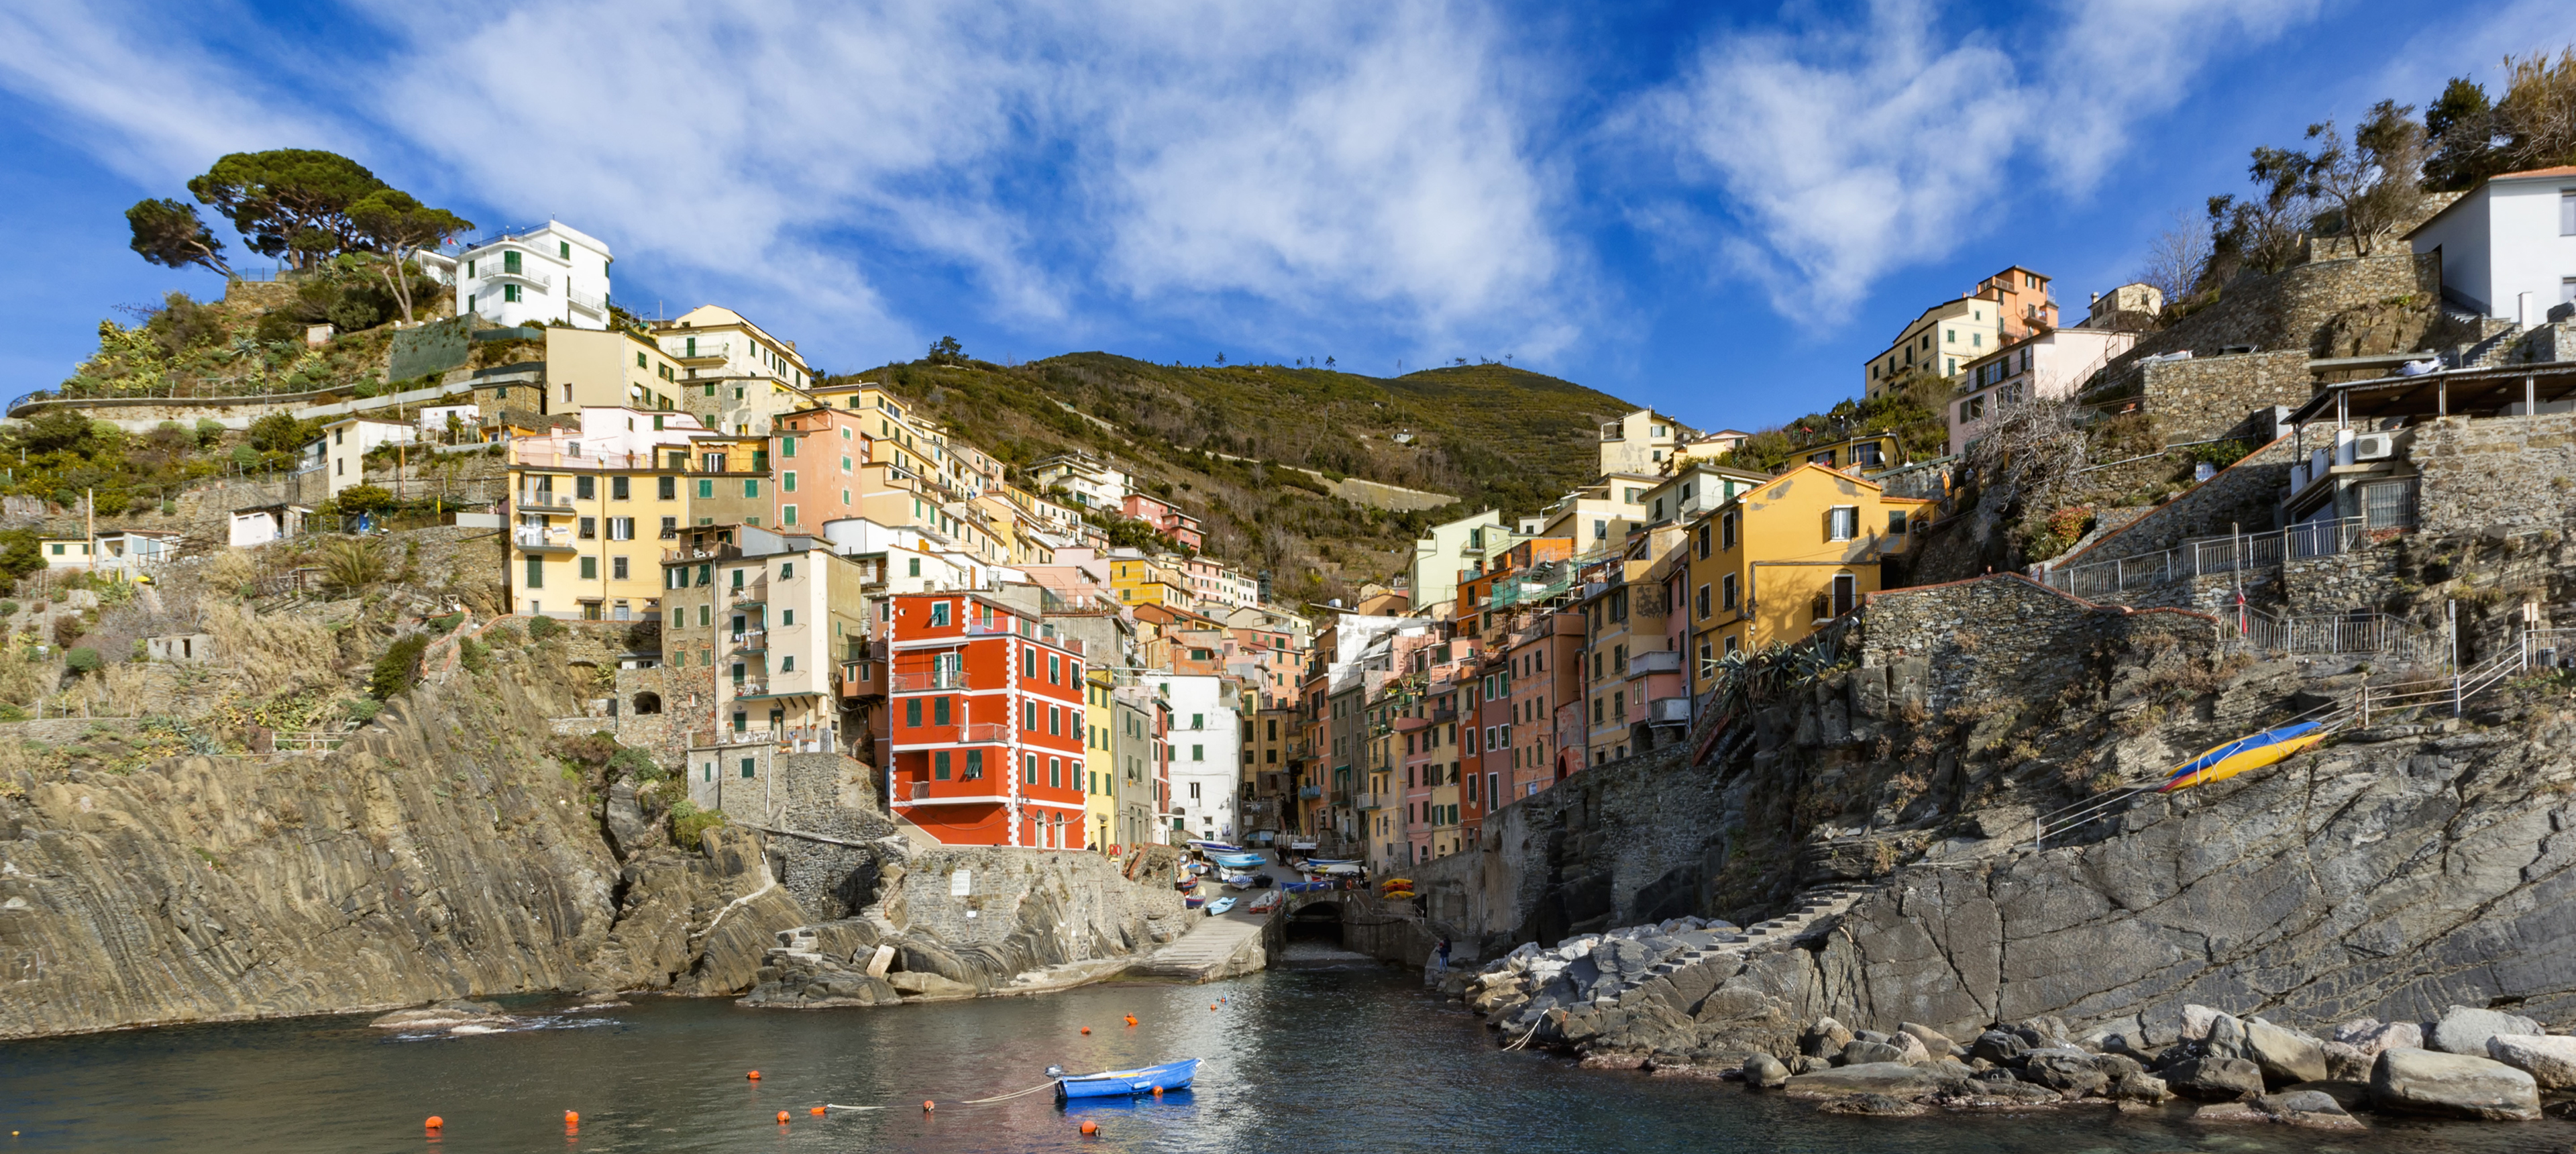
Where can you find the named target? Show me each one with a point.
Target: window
(509, 262)
(1842, 523)
(912, 566)
(787, 617)
(1703, 541)
(939, 711)
(939, 766)
(621, 528)
(1197, 753)
(1895, 523)
(1973, 409)
(746, 762)
(1728, 524)
(751, 487)
(912, 713)
(2567, 213)
(1055, 772)
(510, 292)
(787, 515)
(938, 614)
(617, 568)
(536, 571)
(787, 480)
(1699, 605)
(974, 764)
(1600, 530)
(1727, 588)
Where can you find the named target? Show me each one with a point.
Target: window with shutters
(1842, 523)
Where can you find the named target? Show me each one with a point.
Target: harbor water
(1329, 1054)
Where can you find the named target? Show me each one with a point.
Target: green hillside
(1491, 435)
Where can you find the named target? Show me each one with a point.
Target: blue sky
(1715, 209)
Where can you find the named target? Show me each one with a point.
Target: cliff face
(438, 853)
(2397, 871)
(2382, 878)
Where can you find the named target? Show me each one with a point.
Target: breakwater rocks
(958, 922)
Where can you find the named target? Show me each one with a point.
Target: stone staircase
(1217, 947)
(1810, 908)
(2496, 341)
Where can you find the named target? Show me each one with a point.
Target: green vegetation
(80, 660)
(1213, 439)
(398, 668)
(544, 628)
(688, 822)
(1912, 409)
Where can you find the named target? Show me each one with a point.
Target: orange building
(985, 708)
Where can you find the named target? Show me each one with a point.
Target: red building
(985, 709)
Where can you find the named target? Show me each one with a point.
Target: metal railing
(541, 499)
(2341, 634)
(984, 732)
(750, 686)
(925, 682)
(531, 537)
(2204, 556)
(587, 302)
(750, 639)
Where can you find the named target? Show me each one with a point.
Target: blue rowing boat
(1126, 1083)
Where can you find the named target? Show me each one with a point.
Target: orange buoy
(782, 1117)
(1211, 1007)
(1131, 1019)
(1086, 1029)
(927, 1106)
(434, 1122)
(816, 1111)
(571, 1117)
(755, 1075)
(1158, 1091)
(1090, 1127)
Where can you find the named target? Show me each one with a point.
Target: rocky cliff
(2397, 872)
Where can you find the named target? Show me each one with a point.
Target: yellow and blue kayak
(2245, 753)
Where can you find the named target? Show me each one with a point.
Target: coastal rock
(2465, 1029)
(1765, 1071)
(2347, 1063)
(2138, 1087)
(2226, 1038)
(2196, 1021)
(1860, 1053)
(1873, 1105)
(2453, 1085)
(1824, 1039)
(2286, 1056)
(2306, 1108)
(2215, 1078)
(2370, 1036)
(2550, 1059)
(1935, 1043)
(2070, 1072)
(2000, 1093)
(1894, 1079)
(445, 1015)
(1998, 1047)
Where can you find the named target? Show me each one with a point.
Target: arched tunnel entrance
(1316, 922)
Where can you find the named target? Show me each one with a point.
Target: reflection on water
(1325, 1056)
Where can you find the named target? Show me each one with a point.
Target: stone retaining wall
(1999, 636)
(2495, 475)
(2207, 397)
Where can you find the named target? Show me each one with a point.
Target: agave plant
(349, 566)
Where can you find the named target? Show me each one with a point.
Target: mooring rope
(1049, 1084)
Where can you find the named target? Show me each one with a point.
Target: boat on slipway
(1125, 1083)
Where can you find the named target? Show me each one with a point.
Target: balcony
(531, 539)
(533, 500)
(587, 302)
(693, 351)
(984, 733)
(753, 594)
(1668, 711)
(1372, 801)
(507, 275)
(751, 687)
(1654, 661)
(750, 641)
(1310, 791)
(927, 682)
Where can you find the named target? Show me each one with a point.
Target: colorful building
(590, 507)
(1788, 556)
(986, 715)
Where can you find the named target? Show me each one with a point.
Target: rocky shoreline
(2470, 1064)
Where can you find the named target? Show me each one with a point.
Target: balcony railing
(984, 732)
(531, 537)
(750, 686)
(747, 594)
(751, 639)
(704, 351)
(926, 682)
(1654, 661)
(1669, 710)
(587, 302)
(1310, 791)
(541, 499)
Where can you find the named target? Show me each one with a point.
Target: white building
(1093, 485)
(345, 444)
(1206, 751)
(265, 523)
(554, 274)
(715, 341)
(1640, 441)
(2050, 365)
(2508, 246)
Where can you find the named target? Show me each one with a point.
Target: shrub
(80, 660)
(544, 629)
(502, 633)
(446, 624)
(362, 709)
(688, 822)
(209, 432)
(399, 668)
(8, 608)
(635, 764)
(358, 499)
(351, 565)
(474, 655)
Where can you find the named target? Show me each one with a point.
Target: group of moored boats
(1240, 869)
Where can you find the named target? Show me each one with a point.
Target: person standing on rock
(1444, 954)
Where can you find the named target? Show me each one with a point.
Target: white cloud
(1849, 149)
(1316, 166)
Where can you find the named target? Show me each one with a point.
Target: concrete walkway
(1217, 947)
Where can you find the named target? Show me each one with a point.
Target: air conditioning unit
(2374, 447)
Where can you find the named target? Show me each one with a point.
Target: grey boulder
(2465, 1029)
(2550, 1059)
(2453, 1085)
(2286, 1056)
(1862, 1053)
(2216, 1078)
(1764, 1071)
(1895, 1079)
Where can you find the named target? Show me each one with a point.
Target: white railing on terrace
(589, 302)
(2212, 555)
(2342, 634)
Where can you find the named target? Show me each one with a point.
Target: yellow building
(590, 507)
(616, 368)
(734, 374)
(1148, 581)
(1100, 761)
(1787, 556)
(1868, 453)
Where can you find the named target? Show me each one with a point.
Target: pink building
(1170, 522)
